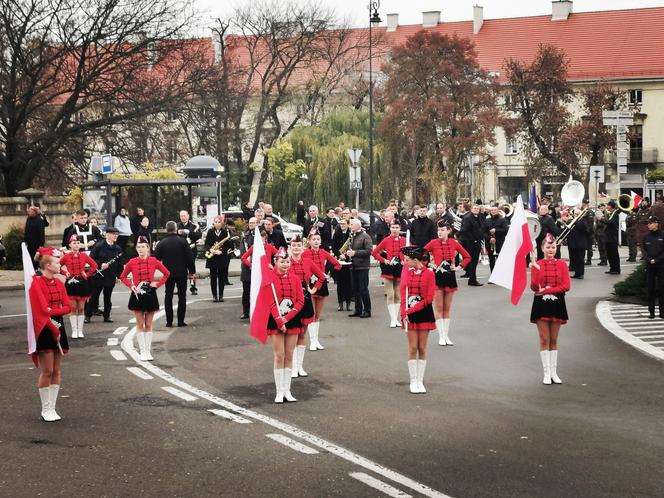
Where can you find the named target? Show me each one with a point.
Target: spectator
(300, 213)
(35, 230)
(135, 222)
(247, 211)
(144, 230)
(123, 224)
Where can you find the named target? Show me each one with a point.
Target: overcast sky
(410, 11)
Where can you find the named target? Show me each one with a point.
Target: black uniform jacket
(653, 246)
(578, 236)
(501, 225)
(471, 229)
(212, 238)
(103, 252)
(177, 256)
(612, 227)
(422, 231)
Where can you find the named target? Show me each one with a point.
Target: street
(199, 420)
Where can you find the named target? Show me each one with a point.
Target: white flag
(28, 273)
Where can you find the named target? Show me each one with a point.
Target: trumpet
(456, 224)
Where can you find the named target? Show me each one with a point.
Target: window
(511, 146)
(508, 101)
(635, 97)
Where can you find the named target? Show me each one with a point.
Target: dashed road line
(379, 485)
(180, 394)
(230, 416)
(112, 341)
(292, 444)
(140, 373)
(118, 355)
(120, 330)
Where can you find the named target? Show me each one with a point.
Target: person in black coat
(577, 244)
(176, 255)
(35, 231)
(274, 236)
(422, 229)
(495, 229)
(612, 229)
(246, 241)
(653, 250)
(327, 230)
(218, 259)
(470, 236)
(247, 211)
(313, 220)
(300, 213)
(88, 233)
(106, 254)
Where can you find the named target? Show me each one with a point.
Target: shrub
(634, 285)
(12, 242)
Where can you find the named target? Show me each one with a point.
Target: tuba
(572, 195)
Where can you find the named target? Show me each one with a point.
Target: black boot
(651, 311)
(347, 305)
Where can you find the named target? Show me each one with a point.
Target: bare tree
(72, 70)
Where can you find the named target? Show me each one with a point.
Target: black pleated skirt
(78, 287)
(549, 307)
(145, 301)
(46, 342)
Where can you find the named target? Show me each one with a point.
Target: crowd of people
(419, 257)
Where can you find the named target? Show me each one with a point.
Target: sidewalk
(13, 279)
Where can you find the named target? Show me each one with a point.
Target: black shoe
(220, 300)
(580, 277)
(365, 314)
(182, 324)
(227, 283)
(355, 314)
(465, 275)
(589, 263)
(611, 272)
(475, 284)
(340, 307)
(631, 260)
(244, 316)
(86, 319)
(169, 324)
(214, 299)
(107, 319)
(97, 312)
(194, 292)
(348, 306)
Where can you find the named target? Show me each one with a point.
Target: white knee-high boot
(54, 389)
(393, 316)
(73, 321)
(397, 313)
(45, 397)
(294, 369)
(421, 367)
(286, 386)
(446, 331)
(313, 335)
(300, 360)
(279, 385)
(553, 364)
(546, 365)
(148, 345)
(440, 326)
(80, 319)
(140, 338)
(412, 373)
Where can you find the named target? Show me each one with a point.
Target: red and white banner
(260, 294)
(511, 269)
(637, 198)
(28, 273)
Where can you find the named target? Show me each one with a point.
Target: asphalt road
(487, 426)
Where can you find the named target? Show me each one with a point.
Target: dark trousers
(589, 247)
(361, 288)
(655, 285)
(246, 295)
(93, 303)
(122, 242)
(492, 258)
(473, 249)
(226, 265)
(613, 256)
(344, 285)
(218, 277)
(181, 283)
(576, 261)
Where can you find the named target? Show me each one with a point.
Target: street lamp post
(374, 18)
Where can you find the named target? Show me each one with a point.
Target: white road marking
(127, 345)
(180, 394)
(656, 342)
(603, 313)
(13, 316)
(642, 327)
(230, 416)
(652, 336)
(112, 341)
(140, 373)
(379, 485)
(118, 355)
(120, 330)
(292, 444)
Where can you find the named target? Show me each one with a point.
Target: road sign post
(354, 174)
(621, 120)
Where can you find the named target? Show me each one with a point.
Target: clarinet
(109, 263)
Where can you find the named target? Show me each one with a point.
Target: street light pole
(374, 5)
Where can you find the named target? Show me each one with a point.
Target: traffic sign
(106, 164)
(617, 114)
(356, 185)
(354, 155)
(597, 173)
(617, 121)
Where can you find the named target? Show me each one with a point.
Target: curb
(603, 314)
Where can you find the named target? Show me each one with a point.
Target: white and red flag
(261, 292)
(511, 269)
(28, 273)
(637, 198)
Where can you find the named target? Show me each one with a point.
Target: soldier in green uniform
(590, 224)
(600, 234)
(631, 225)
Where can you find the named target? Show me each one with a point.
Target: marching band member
(391, 269)
(77, 283)
(495, 229)
(653, 250)
(217, 263)
(549, 278)
(612, 230)
(344, 278)
(417, 294)
(284, 324)
(305, 269)
(191, 232)
(319, 257)
(246, 241)
(106, 254)
(445, 250)
(49, 303)
(143, 299)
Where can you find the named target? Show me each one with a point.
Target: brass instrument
(507, 209)
(571, 194)
(456, 224)
(217, 245)
(344, 248)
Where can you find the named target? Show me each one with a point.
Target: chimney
(430, 19)
(561, 10)
(392, 22)
(478, 18)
